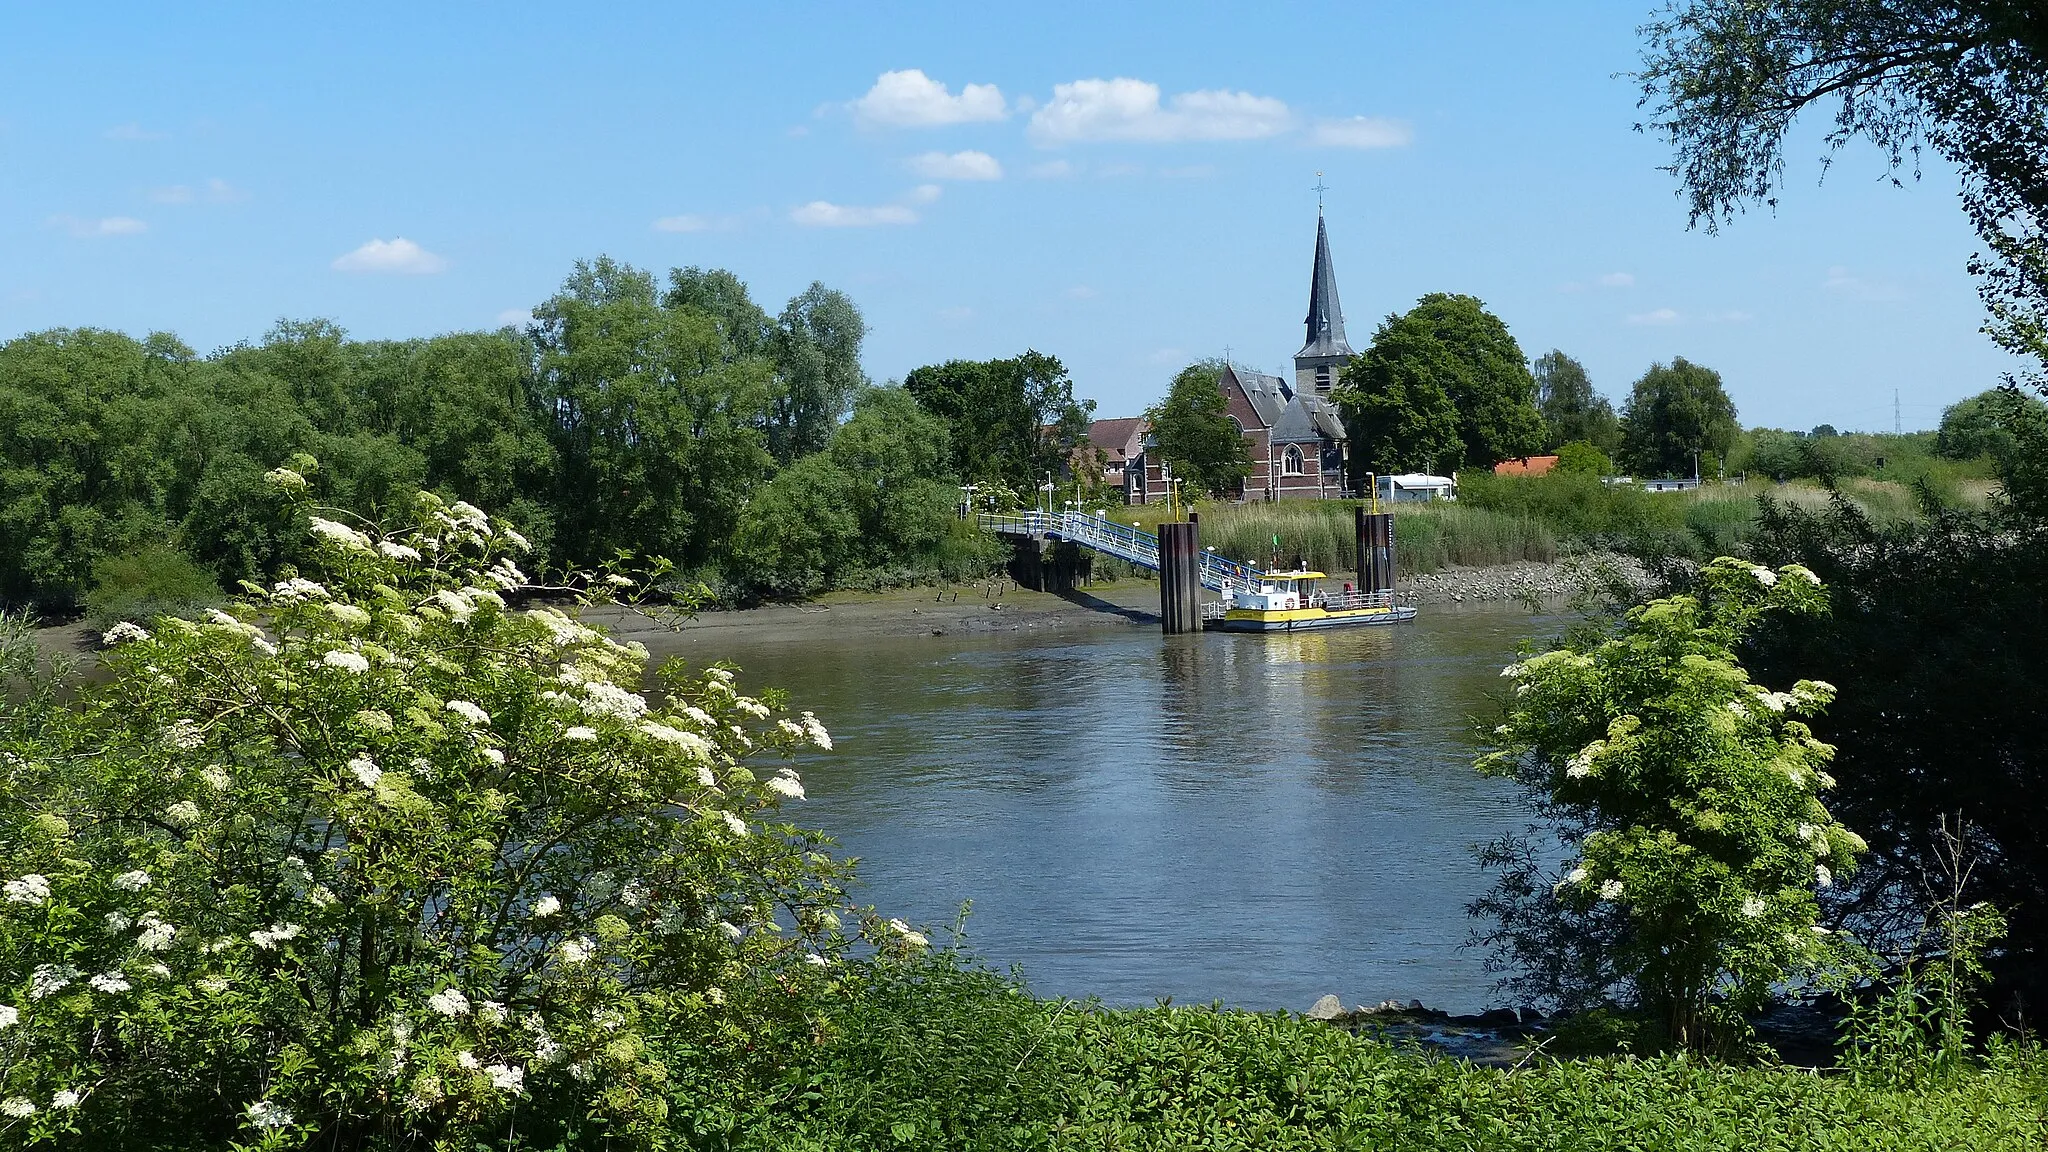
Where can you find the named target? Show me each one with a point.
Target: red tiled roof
(1525, 466)
(1117, 435)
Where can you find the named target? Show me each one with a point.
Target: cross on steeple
(1319, 189)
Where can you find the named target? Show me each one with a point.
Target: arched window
(1237, 424)
(1290, 461)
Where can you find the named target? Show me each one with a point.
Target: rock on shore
(1523, 580)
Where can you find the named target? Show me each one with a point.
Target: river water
(1251, 819)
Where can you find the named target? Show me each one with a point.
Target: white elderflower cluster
(814, 730)
(296, 589)
(505, 1077)
(1610, 889)
(449, 1002)
(19, 1107)
(111, 983)
(49, 979)
(365, 771)
(690, 742)
(1752, 907)
(734, 823)
(375, 719)
(124, 633)
(470, 713)
(264, 1114)
(132, 881)
(393, 550)
(1581, 766)
(184, 735)
(32, 889)
(548, 905)
(1822, 876)
(156, 935)
(579, 733)
(1764, 576)
(786, 785)
(64, 1098)
(340, 534)
(353, 663)
(602, 698)
(348, 614)
(577, 951)
(271, 937)
(908, 935)
(506, 575)
(182, 814)
(286, 479)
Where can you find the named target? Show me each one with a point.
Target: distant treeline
(676, 419)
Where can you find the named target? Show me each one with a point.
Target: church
(1294, 435)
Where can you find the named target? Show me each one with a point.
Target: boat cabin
(1281, 592)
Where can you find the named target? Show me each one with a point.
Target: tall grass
(1321, 534)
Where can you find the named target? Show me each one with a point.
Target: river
(1247, 819)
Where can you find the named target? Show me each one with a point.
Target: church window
(1237, 424)
(1323, 378)
(1290, 461)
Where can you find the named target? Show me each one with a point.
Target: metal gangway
(1122, 541)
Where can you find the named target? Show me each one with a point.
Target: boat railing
(1353, 600)
(1214, 609)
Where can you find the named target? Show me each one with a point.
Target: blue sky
(1124, 186)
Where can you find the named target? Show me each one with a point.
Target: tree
(1673, 413)
(1484, 374)
(817, 362)
(1726, 79)
(1583, 458)
(1693, 795)
(1571, 409)
(1010, 420)
(1396, 410)
(1195, 434)
(1982, 425)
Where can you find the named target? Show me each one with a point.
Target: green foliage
(151, 581)
(1427, 537)
(1010, 420)
(1618, 517)
(378, 862)
(1674, 414)
(1583, 458)
(1453, 347)
(1693, 795)
(1982, 425)
(1196, 437)
(1572, 410)
(1397, 410)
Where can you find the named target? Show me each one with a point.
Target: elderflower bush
(1695, 795)
(376, 859)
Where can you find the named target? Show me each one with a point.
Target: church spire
(1325, 315)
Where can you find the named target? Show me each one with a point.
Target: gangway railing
(1101, 534)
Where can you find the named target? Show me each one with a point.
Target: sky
(1125, 186)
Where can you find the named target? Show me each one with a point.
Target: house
(1110, 449)
(1408, 487)
(1525, 466)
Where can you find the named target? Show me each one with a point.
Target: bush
(148, 582)
(376, 862)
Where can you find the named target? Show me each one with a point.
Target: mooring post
(1180, 578)
(1375, 551)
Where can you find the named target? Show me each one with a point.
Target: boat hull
(1301, 619)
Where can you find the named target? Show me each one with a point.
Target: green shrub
(147, 582)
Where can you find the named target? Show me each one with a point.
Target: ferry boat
(1290, 601)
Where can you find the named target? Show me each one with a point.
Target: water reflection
(1257, 819)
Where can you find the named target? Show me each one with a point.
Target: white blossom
(134, 881)
(264, 1114)
(1806, 831)
(9, 1016)
(469, 712)
(815, 960)
(491, 1012)
(788, 787)
(546, 906)
(49, 979)
(286, 479)
(705, 776)
(213, 985)
(1752, 907)
(578, 950)
(322, 896)
(604, 699)
(751, 707)
(182, 814)
(733, 823)
(396, 551)
(1736, 707)
(689, 742)
(33, 889)
(157, 970)
(365, 770)
(1804, 573)
(910, 936)
(118, 922)
(1822, 876)
(1581, 766)
(634, 894)
(1764, 576)
(184, 735)
(348, 614)
(816, 731)
(732, 930)
(1610, 889)
(271, 937)
(351, 662)
(296, 589)
(494, 755)
(122, 633)
(112, 983)
(216, 777)
(64, 1098)
(262, 645)
(513, 538)
(156, 935)
(618, 581)
(506, 1078)
(341, 534)
(579, 733)
(449, 1002)
(19, 1107)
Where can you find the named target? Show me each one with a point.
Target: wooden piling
(1180, 578)
(1375, 550)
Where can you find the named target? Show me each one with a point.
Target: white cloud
(1660, 316)
(398, 255)
(1050, 170)
(103, 226)
(1360, 132)
(1617, 280)
(911, 99)
(925, 194)
(1126, 109)
(515, 318)
(1841, 281)
(825, 214)
(131, 133)
(959, 166)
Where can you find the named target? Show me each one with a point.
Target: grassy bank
(941, 1057)
(1501, 520)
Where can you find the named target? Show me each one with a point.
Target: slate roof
(1269, 394)
(1117, 435)
(1325, 314)
(1308, 420)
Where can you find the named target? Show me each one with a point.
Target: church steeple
(1322, 357)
